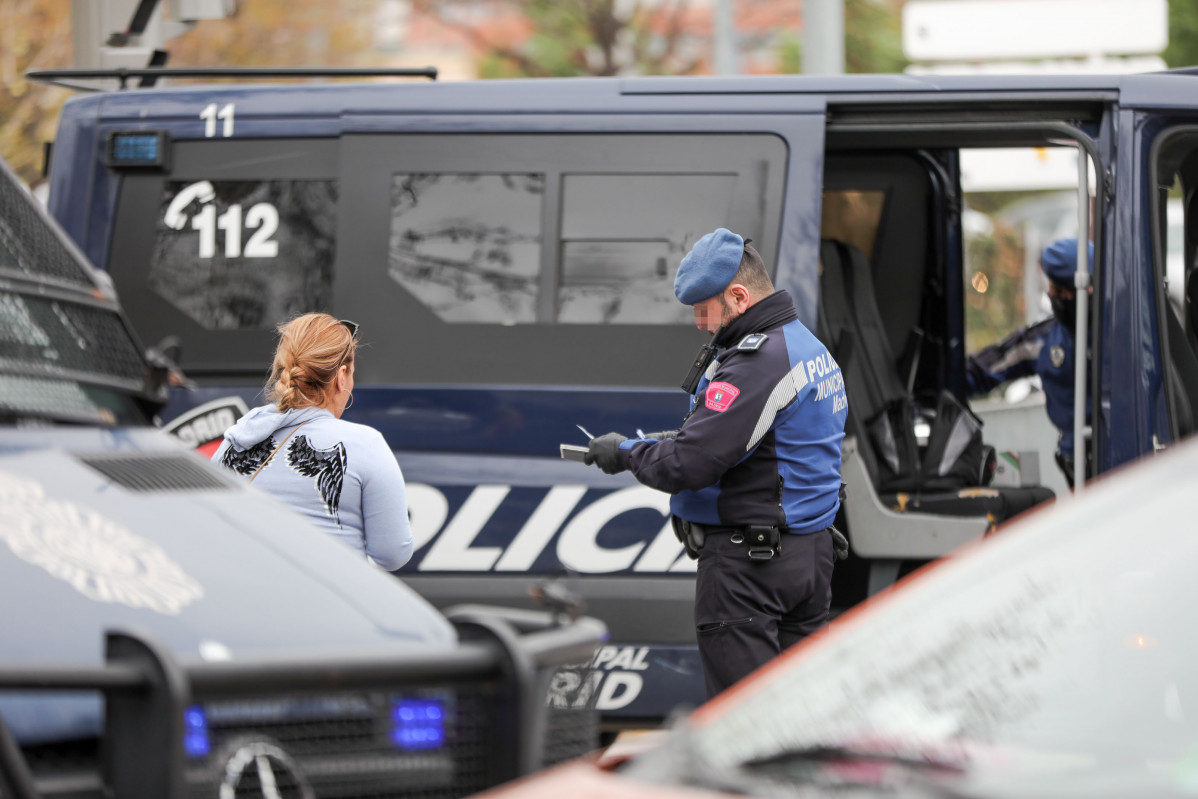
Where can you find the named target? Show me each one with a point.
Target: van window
(468, 245)
(540, 259)
(245, 253)
(1017, 201)
(475, 245)
(1174, 176)
(622, 238)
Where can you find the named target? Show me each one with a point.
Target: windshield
(1063, 648)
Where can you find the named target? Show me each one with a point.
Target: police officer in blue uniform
(754, 469)
(1045, 349)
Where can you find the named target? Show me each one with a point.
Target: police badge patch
(1057, 356)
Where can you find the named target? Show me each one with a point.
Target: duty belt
(763, 542)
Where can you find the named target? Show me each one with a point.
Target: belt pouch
(763, 542)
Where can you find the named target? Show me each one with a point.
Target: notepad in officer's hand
(573, 452)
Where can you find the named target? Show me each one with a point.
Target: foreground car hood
(128, 529)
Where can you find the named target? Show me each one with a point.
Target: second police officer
(1045, 349)
(754, 470)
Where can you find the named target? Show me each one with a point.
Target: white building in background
(972, 37)
(1035, 36)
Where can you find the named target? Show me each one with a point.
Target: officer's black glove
(840, 544)
(663, 435)
(604, 453)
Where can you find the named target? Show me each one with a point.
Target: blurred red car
(1058, 658)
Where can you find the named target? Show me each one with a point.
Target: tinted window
(250, 253)
(1173, 177)
(622, 238)
(468, 245)
(543, 259)
(238, 236)
(507, 258)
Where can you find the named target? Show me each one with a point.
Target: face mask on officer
(1064, 307)
(1059, 262)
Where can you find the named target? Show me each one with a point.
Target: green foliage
(34, 34)
(873, 39)
(557, 48)
(1183, 34)
(570, 38)
(789, 52)
(595, 37)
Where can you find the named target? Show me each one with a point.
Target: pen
(584, 431)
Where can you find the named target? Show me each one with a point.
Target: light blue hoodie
(340, 475)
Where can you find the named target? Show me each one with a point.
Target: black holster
(691, 536)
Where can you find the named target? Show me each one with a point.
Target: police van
(509, 247)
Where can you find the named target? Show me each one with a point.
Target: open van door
(903, 300)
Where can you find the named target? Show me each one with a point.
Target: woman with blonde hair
(341, 475)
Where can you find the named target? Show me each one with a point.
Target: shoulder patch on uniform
(720, 396)
(752, 342)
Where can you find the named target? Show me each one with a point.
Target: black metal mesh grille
(56, 335)
(28, 243)
(343, 745)
(157, 473)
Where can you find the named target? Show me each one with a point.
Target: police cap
(1059, 260)
(709, 267)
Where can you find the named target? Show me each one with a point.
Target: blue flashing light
(195, 732)
(418, 724)
(137, 149)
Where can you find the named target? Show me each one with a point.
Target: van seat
(886, 468)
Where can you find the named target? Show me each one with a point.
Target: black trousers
(747, 611)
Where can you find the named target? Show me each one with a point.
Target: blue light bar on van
(195, 732)
(418, 723)
(138, 149)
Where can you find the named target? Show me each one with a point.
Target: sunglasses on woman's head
(352, 327)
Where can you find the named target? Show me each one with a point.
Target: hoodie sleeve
(385, 524)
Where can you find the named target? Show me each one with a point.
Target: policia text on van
(511, 246)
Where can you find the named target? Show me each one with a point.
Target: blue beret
(709, 267)
(1059, 260)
